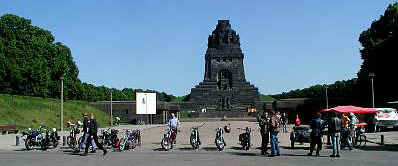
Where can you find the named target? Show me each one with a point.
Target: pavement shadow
(159, 149)
(236, 148)
(390, 147)
(303, 155)
(301, 147)
(210, 148)
(185, 149)
(243, 154)
(21, 150)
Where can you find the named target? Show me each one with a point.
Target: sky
(160, 45)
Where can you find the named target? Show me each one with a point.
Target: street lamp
(62, 103)
(372, 75)
(111, 110)
(326, 94)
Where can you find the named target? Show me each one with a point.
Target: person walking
(93, 129)
(317, 126)
(86, 123)
(334, 130)
(274, 130)
(264, 130)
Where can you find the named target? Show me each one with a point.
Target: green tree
(378, 55)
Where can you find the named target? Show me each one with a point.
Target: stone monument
(224, 87)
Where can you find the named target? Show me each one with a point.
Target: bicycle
(360, 137)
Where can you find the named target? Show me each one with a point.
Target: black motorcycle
(40, 137)
(109, 138)
(50, 138)
(244, 139)
(219, 140)
(53, 137)
(72, 138)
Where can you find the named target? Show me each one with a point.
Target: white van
(386, 118)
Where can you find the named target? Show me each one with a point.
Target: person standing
(93, 129)
(174, 123)
(353, 127)
(264, 130)
(347, 139)
(334, 131)
(274, 130)
(284, 120)
(317, 126)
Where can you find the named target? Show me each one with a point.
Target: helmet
(227, 129)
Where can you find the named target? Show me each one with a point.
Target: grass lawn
(25, 111)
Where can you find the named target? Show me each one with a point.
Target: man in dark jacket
(335, 127)
(263, 123)
(86, 123)
(92, 130)
(317, 126)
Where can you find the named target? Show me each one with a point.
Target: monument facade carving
(224, 87)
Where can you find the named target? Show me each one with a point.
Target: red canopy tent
(350, 108)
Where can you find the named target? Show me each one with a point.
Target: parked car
(386, 118)
(301, 134)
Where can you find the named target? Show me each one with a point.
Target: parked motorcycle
(194, 139)
(219, 140)
(72, 138)
(130, 140)
(244, 139)
(40, 137)
(109, 138)
(52, 138)
(168, 139)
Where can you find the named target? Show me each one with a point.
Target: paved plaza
(150, 153)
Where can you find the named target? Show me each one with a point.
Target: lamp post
(62, 104)
(372, 75)
(326, 96)
(111, 110)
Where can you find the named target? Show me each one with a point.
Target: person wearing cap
(86, 123)
(92, 135)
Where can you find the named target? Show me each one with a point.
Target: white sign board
(145, 103)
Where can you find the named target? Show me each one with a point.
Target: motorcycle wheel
(220, 145)
(194, 142)
(166, 145)
(44, 145)
(133, 144)
(55, 143)
(28, 144)
(247, 147)
(123, 143)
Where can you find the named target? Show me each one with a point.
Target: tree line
(379, 57)
(32, 64)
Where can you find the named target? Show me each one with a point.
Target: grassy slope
(30, 111)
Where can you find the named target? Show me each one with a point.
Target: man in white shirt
(174, 123)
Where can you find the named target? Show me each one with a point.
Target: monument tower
(224, 87)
